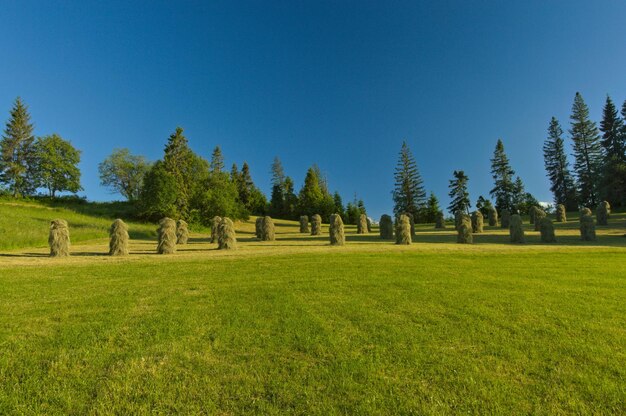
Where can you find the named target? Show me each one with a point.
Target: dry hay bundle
(337, 236)
(304, 224)
(182, 232)
(118, 238)
(539, 215)
(267, 229)
(477, 222)
(561, 214)
(531, 214)
(386, 227)
(215, 224)
(584, 211)
(587, 228)
(59, 238)
(226, 237)
(316, 225)
(505, 219)
(403, 230)
(167, 236)
(493, 217)
(361, 225)
(440, 221)
(464, 230)
(258, 228)
(547, 230)
(411, 223)
(602, 213)
(369, 224)
(516, 230)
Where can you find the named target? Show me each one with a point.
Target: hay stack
(59, 238)
(493, 217)
(587, 228)
(386, 227)
(477, 222)
(361, 225)
(458, 218)
(369, 224)
(602, 213)
(226, 237)
(584, 211)
(547, 230)
(464, 230)
(411, 223)
(440, 222)
(267, 229)
(561, 214)
(182, 232)
(118, 238)
(403, 230)
(539, 215)
(516, 231)
(215, 224)
(337, 236)
(258, 228)
(505, 219)
(167, 236)
(316, 225)
(304, 224)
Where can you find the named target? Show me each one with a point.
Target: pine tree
(278, 173)
(408, 194)
(432, 208)
(502, 175)
(278, 203)
(179, 161)
(17, 152)
(587, 152)
(338, 203)
(458, 194)
(311, 195)
(519, 192)
(557, 167)
(217, 160)
(613, 176)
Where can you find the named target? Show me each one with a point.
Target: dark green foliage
(118, 238)
(408, 194)
(505, 219)
(17, 152)
(258, 228)
(166, 234)
(432, 209)
(613, 173)
(587, 228)
(557, 167)
(180, 162)
(158, 195)
(336, 233)
(252, 199)
(522, 201)
(539, 215)
(59, 238)
(440, 222)
(56, 165)
(338, 204)
(226, 237)
(218, 195)
(561, 213)
(217, 161)
(516, 230)
(124, 173)
(316, 225)
(311, 196)
(215, 224)
(477, 222)
(352, 213)
(464, 230)
(546, 228)
(304, 224)
(182, 232)
(386, 227)
(602, 213)
(290, 205)
(459, 196)
(361, 226)
(267, 229)
(484, 206)
(531, 214)
(587, 152)
(502, 174)
(403, 230)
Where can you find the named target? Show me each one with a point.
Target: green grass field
(297, 326)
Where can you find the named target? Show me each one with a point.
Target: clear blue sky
(337, 83)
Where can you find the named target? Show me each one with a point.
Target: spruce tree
(278, 204)
(17, 152)
(338, 203)
(502, 174)
(179, 161)
(460, 202)
(408, 194)
(587, 152)
(613, 175)
(217, 160)
(432, 208)
(557, 167)
(290, 208)
(311, 195)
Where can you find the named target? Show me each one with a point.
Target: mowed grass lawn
(295, 326)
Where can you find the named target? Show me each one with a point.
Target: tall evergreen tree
(17, 152)
(217, 160)
(483, 205)
(408, 194)
(278, 173)
(432, 208)
(338, 203)
(278, 204)
(290, 200)
(587, 152)
(459, 196)
(613, 175)
(557, 167)
(180, 161)
(311, 196)
(519, 193)
(502, 174)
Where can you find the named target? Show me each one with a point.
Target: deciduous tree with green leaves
(123, 173)
(56, 165)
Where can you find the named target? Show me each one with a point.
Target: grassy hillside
(297, 326)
